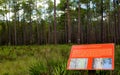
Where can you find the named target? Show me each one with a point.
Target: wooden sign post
(91, 57)
(91, 72)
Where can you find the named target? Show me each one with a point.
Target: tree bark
(15, 23)
(88, 27)
(115, 21)
(119, 25)
(31, 29)
(24, 32)
(78, 39)
(49, 34)
(9, 29)
(55, 37)
(68, 22)
(38, 34)
(66, 28)
(102, 32)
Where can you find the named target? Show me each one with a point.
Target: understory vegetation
(43, 60)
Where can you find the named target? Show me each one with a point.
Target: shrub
(38, 69)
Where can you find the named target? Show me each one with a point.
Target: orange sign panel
(91, 57)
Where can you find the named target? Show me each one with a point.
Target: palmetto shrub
(38, 69)
(51, 69)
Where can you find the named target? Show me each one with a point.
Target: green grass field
(43, 60)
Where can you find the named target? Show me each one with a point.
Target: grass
(16, 60)
(42, 60)
(17, 67)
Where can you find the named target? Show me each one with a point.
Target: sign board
(91, 57)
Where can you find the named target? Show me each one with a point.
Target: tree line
(26, 22)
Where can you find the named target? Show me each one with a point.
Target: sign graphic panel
(91, 57)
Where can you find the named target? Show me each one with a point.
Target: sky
(11, 14)
(45, 6)
(57, 1)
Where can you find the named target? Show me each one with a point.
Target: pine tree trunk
(38, 34)
(55, 37)
(88, 24)
(15, 33)
(24, 32)
(9, 28)
(115, 22)
(15, 23)
(102, 32)
(78, 39)
(49, 34)
(119, 26)
(66, 28)
(68, 22)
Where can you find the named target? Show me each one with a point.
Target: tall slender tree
(115, 21)
(119, 23)
(15, 22)
(78, 39)
(88, 25)
(68, 21)
(101, 11)
(37, 22)
(55, 37)
(9, 27)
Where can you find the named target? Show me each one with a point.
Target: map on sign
(76, 63)
(91, 57)
(102, 63)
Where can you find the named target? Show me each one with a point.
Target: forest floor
(31, 60)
